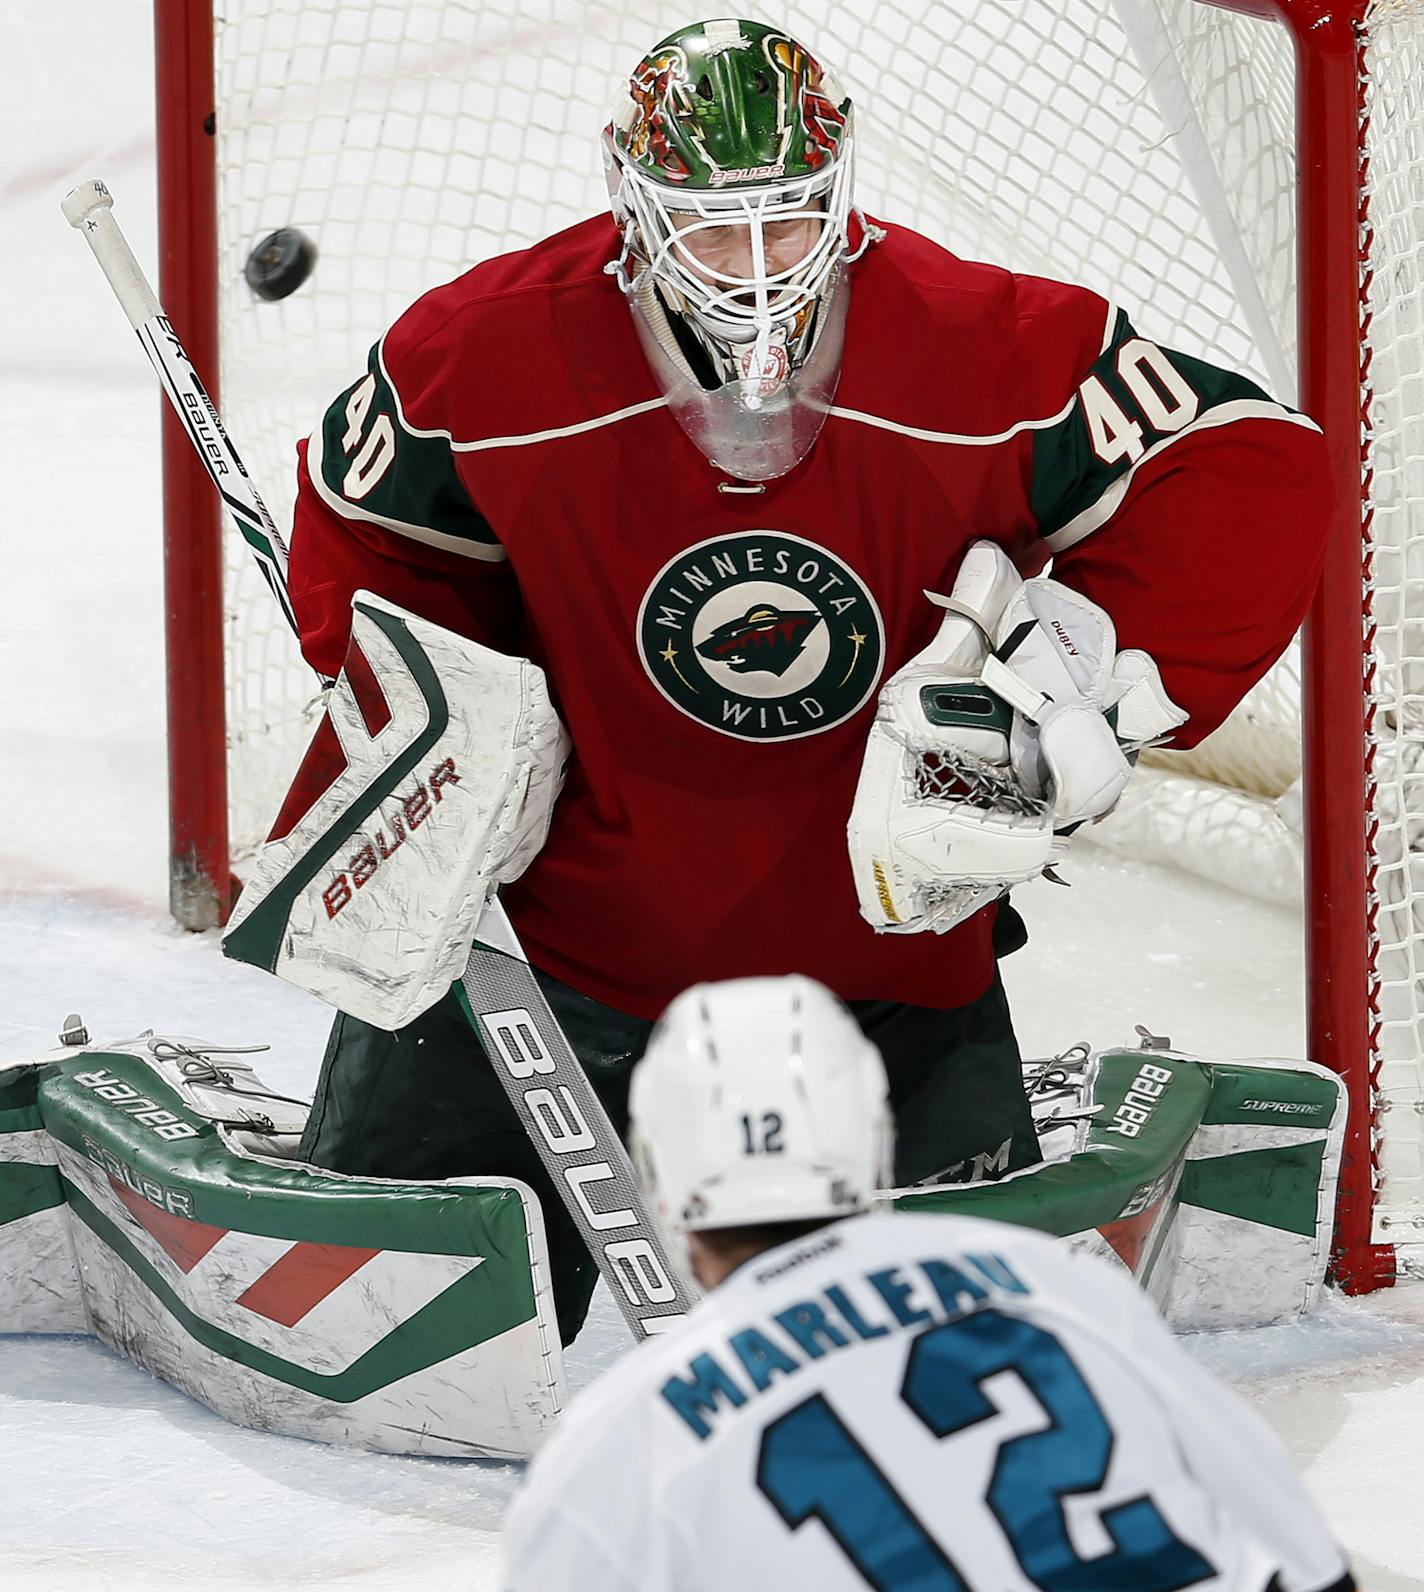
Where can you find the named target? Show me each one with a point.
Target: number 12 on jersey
(812, 1467)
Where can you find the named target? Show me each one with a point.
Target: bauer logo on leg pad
(429, 782)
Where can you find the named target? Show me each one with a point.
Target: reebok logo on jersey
(761, 635)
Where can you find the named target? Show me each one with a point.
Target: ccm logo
(414, 809)
(560, 1122)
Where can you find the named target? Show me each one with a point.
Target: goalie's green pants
(424, 1103)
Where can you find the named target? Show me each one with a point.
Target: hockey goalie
(666, 491)
(174, 1213)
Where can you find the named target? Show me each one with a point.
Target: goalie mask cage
(1147, 148)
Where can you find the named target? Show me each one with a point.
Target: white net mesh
(1224, 86)
(1142, 147)
(411, 139)
(1394, 657)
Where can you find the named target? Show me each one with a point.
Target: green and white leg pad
(406, 1317)
(1213, 1182)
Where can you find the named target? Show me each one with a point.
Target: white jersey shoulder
(916, 1401)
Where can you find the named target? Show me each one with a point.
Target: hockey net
(1142, 147)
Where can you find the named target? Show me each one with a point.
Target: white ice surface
(109, 1479)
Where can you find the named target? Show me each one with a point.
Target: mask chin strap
(870, 235)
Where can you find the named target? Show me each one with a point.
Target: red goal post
(199, 889)
(1035, 143)
(1337, 708)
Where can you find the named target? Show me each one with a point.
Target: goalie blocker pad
(1213, 1182)
(408, 1318)
(430, 781)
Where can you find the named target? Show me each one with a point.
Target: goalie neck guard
(729, 161)
(759, 1100)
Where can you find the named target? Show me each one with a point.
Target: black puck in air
(280, 263)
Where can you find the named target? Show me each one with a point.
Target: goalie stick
(535, 1062)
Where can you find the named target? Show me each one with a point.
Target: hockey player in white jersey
(900, 1402)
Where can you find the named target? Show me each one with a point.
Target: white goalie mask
(729, 164)
(759, 1100)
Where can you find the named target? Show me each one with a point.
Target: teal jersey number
(812, 1467)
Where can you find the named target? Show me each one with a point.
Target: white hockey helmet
(759, 1100)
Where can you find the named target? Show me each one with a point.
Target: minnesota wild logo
(761, 635)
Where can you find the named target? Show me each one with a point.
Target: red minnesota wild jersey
(508, 467)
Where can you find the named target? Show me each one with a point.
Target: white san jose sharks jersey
(916, 1404)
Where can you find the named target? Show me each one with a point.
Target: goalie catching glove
(1013, 726)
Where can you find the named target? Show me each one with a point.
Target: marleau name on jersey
(870, 1305)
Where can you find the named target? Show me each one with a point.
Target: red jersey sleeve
(1176, 495)
(381, 506)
